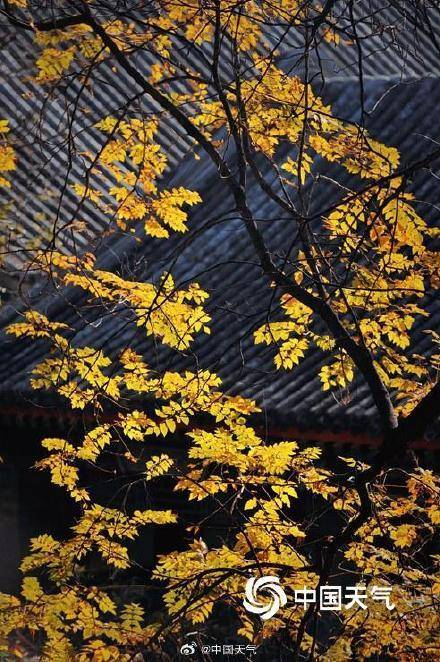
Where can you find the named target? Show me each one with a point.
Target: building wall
(29, 504)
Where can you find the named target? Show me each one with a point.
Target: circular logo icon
(188, 648)
(268, 586)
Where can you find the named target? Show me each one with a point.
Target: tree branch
(359, 354)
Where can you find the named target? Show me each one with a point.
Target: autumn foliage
(354, 289)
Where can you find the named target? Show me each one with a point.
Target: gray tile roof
(220, 258)
(402, 91)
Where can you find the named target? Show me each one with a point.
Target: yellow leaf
(250, 504)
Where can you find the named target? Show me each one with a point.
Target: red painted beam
(344, 437)
(34, 413)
